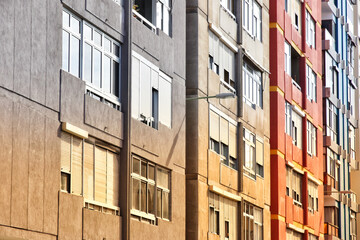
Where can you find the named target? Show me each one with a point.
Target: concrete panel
(166, 64)
(20, 167)
(9, 233)
(103, 117)
(72, 99)
(78, 5)
(22, 49)
(99, 225)
(38, 51)
(109, 12)
(6, 119)
(192, 50)
(53, 53)
(228, 24)
(179, 38)
(70, 216)
(36, 171)
(203, 53)
(7, 43)
(51, 175)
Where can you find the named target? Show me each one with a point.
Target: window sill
(223, 164)
(249, 174)
(228, 11)
(143, 214)
(102, 207)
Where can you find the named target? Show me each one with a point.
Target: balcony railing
(331, 230)
(144, 21)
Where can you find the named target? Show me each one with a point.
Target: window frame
(249, 16)
(310, 30)
(249, 165)
(252, 86)
(311, 139)
(311, 84)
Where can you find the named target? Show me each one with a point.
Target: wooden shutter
(65, 151)
(76, 165)
(100, 174)
(89, 171)
(232, 139)
(113, 178)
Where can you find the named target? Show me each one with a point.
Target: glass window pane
(74, 56)
(107, 45)
(144, 169)
(66, 19)
(87, 62)
(106, 84)
(165, 205)
(136, 166)
(116, 79)
(143, 196)
(151, 172)
(75, 25)
(151, 198)
(65, 51)
(135, 194)
(97, 68)
(97, 37)
(87, 32)
(116, 50)
(158, 203)
(162, 178)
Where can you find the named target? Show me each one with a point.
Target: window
(296, 14)
(331, 215)
(249, 152)
(297, 188)
(150, 190)
(259, 157)
(351, 99)
(214, 220)
(252, 86)
(332, 121)
(313, 200)
(310, 84)
(288, 180)
(163, 15)
(89, 170)
(350, 56)
(353, 226)
(293, 235)
(334, 81)
(331, 168)
(154, 13)
(295, 70)
(287, 6)
(253, 222)
(296, 133)
(223, 138)
(288, 120)
(151, 93)
(252, 20)
(97, 54)
(312, 237)
(352, 141)
(222, 216)
(311, 138)
(310, 30)
(287, 58)
(229, 6)
(222, 61)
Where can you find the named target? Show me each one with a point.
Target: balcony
(328, 7)
(328, 43)
(144, 21)
(331, 232)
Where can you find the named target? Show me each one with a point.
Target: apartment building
(296, 127)
(157, 138)
(340, 82)
(85, 153)
(227, 140)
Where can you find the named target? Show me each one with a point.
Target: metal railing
(144, 21)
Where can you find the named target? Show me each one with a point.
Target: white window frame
(310, 84)
(99, 93)
(250, 16)
(332, 121)
(287, 58)
(163, 11)
(252, 86)
(229, 7)
(313, 197)
(311, 138)
(249, 157)
(257, 225)
(310, 30)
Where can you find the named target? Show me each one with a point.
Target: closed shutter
(232, 138)
(89, 171)
(112, 178)
(100, 175)
(224, 131)
(65, 151)
(214, 126)
(76, 167)
(259, 153)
